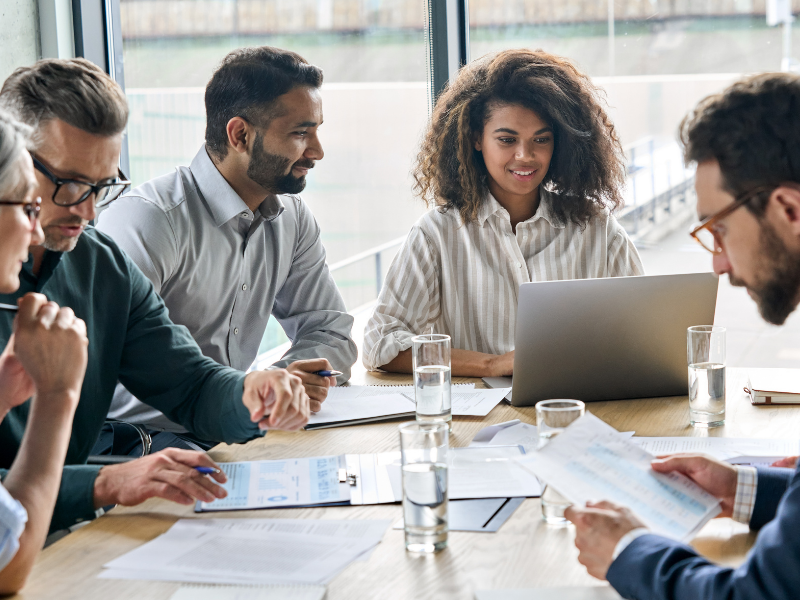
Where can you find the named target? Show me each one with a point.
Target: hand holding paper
(591, 461)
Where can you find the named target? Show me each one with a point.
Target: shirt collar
(222, 201)
(545, 211)
(50, 263)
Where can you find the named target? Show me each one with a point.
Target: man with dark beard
(226, 242)
(745, 144)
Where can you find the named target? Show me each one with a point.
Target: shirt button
(235, 331)
(245, 215)
(244, 286)
(519, 265)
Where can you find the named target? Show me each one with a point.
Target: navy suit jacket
(655, 568)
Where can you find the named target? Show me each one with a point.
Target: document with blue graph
(591, 461)
(276, 483)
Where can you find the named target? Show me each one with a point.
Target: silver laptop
(608, 339)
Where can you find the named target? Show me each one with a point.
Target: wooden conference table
(524, 553)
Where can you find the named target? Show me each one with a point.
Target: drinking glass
(423, 447)
(431, 357)
(706, 354)
(552, 417)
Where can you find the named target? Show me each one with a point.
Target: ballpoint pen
(10, 307)
(206, 470)
(328, 373)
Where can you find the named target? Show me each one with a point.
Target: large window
(375, 102)
(653, 58)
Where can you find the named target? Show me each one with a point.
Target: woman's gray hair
(14, 140)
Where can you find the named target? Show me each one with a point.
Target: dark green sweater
(131, 340)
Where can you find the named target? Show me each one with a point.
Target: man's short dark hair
(247, 84)
(752, 130)
(73, 90)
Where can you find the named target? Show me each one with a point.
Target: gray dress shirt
(222, 269)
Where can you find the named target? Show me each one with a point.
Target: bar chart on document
(275, 483)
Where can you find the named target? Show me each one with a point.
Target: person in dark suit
(745, 144)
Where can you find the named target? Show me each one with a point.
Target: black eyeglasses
(70, 192)
(31, 209)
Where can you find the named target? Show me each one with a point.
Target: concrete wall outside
(19, 35)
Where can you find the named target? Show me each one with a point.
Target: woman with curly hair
(524, 168)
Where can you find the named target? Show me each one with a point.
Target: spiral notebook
(249, 592)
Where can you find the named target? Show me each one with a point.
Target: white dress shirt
(13, 517)
(464, 279)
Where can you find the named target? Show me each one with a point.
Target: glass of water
(706, 354)
(552, 417)
(423, 447)
(431, 358)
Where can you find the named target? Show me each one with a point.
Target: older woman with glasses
(43, 364)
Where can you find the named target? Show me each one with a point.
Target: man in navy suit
(746, 143)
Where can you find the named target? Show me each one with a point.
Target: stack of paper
(356, 404)
(592, 461)
(250, 551)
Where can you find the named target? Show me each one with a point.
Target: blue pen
(328, 373)
(206, 470)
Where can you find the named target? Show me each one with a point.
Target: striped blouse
(463, 280)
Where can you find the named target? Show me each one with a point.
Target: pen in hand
(207, 470)
(9, 307)
(328, 373)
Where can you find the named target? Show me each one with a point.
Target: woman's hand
(501, 366)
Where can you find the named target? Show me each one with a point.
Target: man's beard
(55, 241)
(776, 294)
(269, 170)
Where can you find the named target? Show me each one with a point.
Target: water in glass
(432, 394)
(425, 506)
(707, 394)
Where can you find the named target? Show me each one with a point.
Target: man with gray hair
(78, 114)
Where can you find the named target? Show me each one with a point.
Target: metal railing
(643, 205)
(372, 252)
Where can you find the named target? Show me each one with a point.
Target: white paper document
(481, 472)
(373, 482)
(511, 433)
(475, 403)
(490, 472)
(484, 436)
(592, 461)
(778, 381)
(249, 592)
(275, 551)
(339, 409)
(275, 483)
(500, 382)
(719, 447)
(354, 404)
